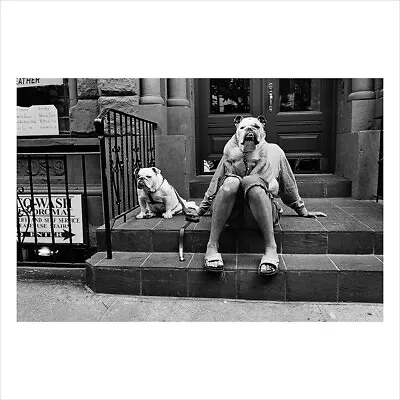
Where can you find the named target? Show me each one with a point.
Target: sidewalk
(70, 301)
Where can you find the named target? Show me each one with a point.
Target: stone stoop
(351, 227)
(337, 258)
(319, 278)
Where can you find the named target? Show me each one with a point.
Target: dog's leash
(189, 217)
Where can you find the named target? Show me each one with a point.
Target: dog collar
(155, 190)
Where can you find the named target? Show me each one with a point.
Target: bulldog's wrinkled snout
(250, 136)
(141, 183)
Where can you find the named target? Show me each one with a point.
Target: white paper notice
(37, 120)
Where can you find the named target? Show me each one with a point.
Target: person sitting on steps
(251, 173)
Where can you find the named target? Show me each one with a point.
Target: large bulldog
(246, 152)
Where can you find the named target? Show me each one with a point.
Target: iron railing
(52, 209)
(126, 144)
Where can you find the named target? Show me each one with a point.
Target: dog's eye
(148, 176)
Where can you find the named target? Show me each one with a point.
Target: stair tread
(343, 215)
(332, 278)
(288, 262)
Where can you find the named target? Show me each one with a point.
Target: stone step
(351, 227)
(309, 185)
(320, 278)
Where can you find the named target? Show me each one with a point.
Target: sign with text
(29, 82)
(59, 208)
(37, 120)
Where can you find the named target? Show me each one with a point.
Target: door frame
(259, 106)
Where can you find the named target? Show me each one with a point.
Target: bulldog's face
(148, 178)
(250, 129)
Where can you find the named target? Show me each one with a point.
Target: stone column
(152, 107)
(177, 95)
(176, 144)
(150, 91)
(362, 97)
(360, 146)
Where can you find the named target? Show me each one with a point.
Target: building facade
(324, 125)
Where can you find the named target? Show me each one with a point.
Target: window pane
(229, 96)
(299, 95)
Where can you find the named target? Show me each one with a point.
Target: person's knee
(256, 191)
(230, 186)
(250, 180)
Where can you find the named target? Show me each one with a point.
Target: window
(228, 96)
(55, 93)
(299, 95)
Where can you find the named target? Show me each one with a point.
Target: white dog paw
(140, 215)
(167, 214)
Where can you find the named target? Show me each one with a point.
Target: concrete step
(321, 278)
(310, 185)
(351, 227)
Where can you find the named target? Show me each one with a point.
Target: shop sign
(29, 82)
(37, 120)
(59, 209)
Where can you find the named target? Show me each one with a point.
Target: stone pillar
(176, 143)
(177, 94)
(150, 91)
(362, 97)
(357, 151)
(152, 107)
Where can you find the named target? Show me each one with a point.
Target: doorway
(299, 115)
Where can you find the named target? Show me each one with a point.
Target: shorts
(241, 216)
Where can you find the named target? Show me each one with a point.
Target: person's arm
(289, 192)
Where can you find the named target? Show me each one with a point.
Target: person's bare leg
(222, 208)
(261, 208)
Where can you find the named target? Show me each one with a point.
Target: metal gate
(52, 213)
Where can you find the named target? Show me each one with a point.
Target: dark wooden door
(298, 113)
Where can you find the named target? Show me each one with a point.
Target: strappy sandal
(214, 263)
(271, 263)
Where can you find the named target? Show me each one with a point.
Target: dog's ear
(262, 119)
(156, 170)
(237, 120)
(136, 171)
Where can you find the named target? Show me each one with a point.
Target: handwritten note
(37, 120)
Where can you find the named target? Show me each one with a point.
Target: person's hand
(314, 214)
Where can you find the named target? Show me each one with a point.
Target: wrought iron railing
(126, 143)
(52, 209)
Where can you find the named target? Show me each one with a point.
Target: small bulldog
(156, 196)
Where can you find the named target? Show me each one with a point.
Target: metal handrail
(129, 144)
